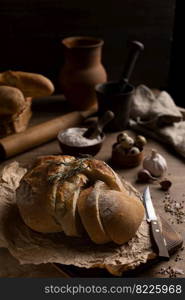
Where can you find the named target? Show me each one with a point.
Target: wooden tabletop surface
(45, 110)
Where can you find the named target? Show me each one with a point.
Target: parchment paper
(30, 247)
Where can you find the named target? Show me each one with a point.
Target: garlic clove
(155, 163)
(145, 176)
(165, 184)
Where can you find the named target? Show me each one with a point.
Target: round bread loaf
(62, 193)
(12, 101)
(31, 84)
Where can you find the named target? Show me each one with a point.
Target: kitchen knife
(156, 233)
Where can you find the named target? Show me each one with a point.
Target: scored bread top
(62, 193)
(88, 206)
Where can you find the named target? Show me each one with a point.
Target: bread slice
(66, 205)
(121, 215)
(89, 213)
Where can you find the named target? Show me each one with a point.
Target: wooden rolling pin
(40, 134)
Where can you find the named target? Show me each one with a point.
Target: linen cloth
(158, 117)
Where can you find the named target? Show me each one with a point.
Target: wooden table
(43, 111)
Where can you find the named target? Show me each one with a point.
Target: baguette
(78, 196)
(31, 84)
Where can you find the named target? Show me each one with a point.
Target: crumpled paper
(31, 247)
(158, 117)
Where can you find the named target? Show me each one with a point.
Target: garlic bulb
(155, 164)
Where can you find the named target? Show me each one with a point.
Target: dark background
(31, 33)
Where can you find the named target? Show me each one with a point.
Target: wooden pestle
(97, 129)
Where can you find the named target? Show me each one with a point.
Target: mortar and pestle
(117, 95)
(92, 134)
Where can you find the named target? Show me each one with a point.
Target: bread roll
(11, 101)
(31, 84)
(62, 193)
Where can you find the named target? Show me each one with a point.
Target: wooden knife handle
(159, 240)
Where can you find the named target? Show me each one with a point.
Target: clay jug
(81, 71)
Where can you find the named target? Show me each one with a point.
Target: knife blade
(156, 233)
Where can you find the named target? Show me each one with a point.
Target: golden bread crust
(121, 215)
(88, 207)
(62, 193)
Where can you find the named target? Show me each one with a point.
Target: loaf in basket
(16, 92)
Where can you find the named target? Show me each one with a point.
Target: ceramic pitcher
(81, 71)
